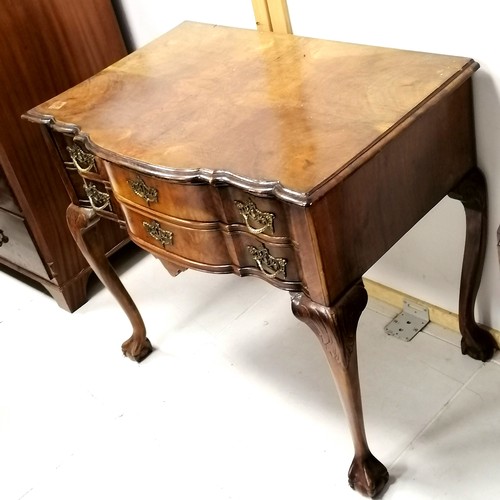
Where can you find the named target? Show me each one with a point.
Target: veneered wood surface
(262, 107)
(360, 218)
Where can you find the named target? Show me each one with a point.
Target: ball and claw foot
(137, 350)
(479, 344)
(368, 476)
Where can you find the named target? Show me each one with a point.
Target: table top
(243, 106)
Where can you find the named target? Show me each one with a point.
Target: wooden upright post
(272, 15)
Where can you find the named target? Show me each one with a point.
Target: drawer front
(88, 178)
(191, 202)
(64, 144)
(17, 246)
(198, 243)
(204, 225)
(256, 214)
(268, 259)
(201, 202)
(208, 246)
(102, 199)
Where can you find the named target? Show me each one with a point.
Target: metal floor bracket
(408, 322)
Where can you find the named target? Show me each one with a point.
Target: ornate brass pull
(84, 162)
(140, 188)
(250, 211)
(155, 231)
(269, 265)
(3, 238)
(98, 200)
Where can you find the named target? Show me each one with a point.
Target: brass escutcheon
(154, 229)
(84, 162)
(250, 211)
(140, 188)
(269, 265)
(98, 200)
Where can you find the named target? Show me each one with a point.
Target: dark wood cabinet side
(45, 48)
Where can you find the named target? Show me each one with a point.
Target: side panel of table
(362, 216)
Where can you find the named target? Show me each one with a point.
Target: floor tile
(236, 402)
(404, 384)
(458, 455)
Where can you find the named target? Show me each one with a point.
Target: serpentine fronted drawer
(216, 228)
(227, 204)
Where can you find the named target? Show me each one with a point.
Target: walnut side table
(296, 160)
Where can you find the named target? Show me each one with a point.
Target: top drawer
(192, 202)
(64, 144)
(200, 202)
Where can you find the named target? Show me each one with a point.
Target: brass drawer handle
(84, 162)
(269, 265)
(3, 238)
(141, 189)
(155, 231)
(98, 200)
(249, 211)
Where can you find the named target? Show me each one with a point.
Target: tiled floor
(236, 402)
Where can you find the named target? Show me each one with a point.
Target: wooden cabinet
(46, 47)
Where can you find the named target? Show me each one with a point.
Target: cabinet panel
(7, 200)
(17, 246)
(47, 47)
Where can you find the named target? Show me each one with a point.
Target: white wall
(148, 19)
(426, 263)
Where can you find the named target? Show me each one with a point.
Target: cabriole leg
(81, 223)
(335, 327)
(471, 191)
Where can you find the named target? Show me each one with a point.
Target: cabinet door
(7, 200)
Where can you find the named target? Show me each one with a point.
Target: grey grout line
(254, 304)
(381, 308)
(436, 416)
(439, 337)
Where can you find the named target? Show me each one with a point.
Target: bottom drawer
(17, 247)
(200, 243)
(276, 261)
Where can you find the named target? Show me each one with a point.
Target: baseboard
(437, 315)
